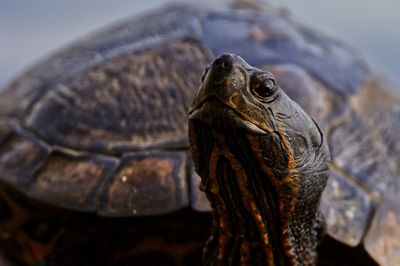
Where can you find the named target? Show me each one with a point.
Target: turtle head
(263, 164)
(234, 94)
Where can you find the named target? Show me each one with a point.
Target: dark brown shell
(89, 143)
(101, 125)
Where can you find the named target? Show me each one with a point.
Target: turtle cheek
(300, 149)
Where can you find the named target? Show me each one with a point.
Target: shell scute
(134, 101)
(346, 208)
(383, 239)
(21, 154)
(72, 180)
(147, 183)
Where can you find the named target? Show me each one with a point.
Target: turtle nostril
(224, 62)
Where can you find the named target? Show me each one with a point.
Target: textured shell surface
(108, 115)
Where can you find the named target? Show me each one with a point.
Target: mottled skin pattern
(263, 164)
(98, 131)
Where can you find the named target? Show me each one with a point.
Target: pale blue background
(31, 29)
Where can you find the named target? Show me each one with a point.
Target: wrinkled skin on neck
(263, 164)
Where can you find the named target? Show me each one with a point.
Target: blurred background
(30, 30)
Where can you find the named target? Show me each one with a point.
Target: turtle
(95, 166)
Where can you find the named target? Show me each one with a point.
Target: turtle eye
(263, 87)
(205, 73)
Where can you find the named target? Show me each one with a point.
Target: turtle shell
(101, 126)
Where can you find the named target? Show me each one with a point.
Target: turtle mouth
(215, 112)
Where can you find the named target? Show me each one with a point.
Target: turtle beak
(221, 81)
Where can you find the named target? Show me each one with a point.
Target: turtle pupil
(264, 88)
(263, 91)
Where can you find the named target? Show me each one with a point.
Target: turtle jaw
(214, 111)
